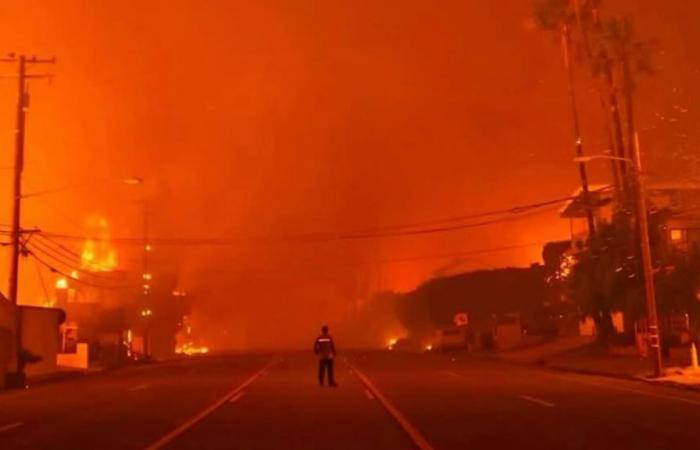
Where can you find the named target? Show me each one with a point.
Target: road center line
(237, 397)
(11, 426)
(625, 389)
(536, 400)
(369, 395)
(162, 442)
(412, 431)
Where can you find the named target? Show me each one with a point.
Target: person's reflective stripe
(324, 339)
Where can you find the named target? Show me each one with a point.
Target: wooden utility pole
(648, 270)
(16, 230)
(22, 105)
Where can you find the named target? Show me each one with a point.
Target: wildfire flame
(98, 254)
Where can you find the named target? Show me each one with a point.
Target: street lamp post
(647, 267)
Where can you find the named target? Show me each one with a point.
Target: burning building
(122, 314)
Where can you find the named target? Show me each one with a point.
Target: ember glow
(190, 349)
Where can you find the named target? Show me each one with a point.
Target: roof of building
(602, 195)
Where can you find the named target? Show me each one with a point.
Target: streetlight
(650, 293)
(587, 159)
(131, 181)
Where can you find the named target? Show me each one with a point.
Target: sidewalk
(62, 373)
(580, 355)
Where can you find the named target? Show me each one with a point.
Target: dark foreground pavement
(385, 401)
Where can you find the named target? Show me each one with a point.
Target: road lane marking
(625, 389)
(536, 400)
(140, 387)
(412, 431)
(369, 395)
(237, 397)
(11, 426)
(165, 440)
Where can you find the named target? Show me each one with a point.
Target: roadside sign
(461, 319)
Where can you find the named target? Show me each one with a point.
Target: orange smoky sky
(251, 119)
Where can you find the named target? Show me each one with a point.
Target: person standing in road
(324, 348)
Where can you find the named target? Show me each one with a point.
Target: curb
(60, 376)
(672, 384)
(601, 373)
(620, 376)
(542, 364)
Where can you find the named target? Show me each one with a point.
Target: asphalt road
(384, 401)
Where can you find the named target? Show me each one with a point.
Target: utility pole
(648, 270)
(578, 143)
(16, 232)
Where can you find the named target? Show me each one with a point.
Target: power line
(464, 253)
(512, 210)
(390, 231)
(407, 229)
(384, 261)
(54, 270)
(62, 262)
(71, 254)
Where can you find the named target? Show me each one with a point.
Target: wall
(6, 341)
(41, 336)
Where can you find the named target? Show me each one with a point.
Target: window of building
(677, 235)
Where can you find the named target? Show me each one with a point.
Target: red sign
(461, 319)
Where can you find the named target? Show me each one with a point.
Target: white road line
(140, 387)
(410, 430)
(165, 440)
(369, 395)
(237, 397)
(536, 400)
(625, 389)
(11, 426)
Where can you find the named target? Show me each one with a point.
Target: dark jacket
(324, 347)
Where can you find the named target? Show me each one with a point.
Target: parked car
(449, 339)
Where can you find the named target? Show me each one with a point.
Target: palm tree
(617, 57)
(561, 17)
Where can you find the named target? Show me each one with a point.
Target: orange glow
(320, 128)
(61, 283)
(98, 254)
(190, 349)
(49, 303)
(676, 235)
